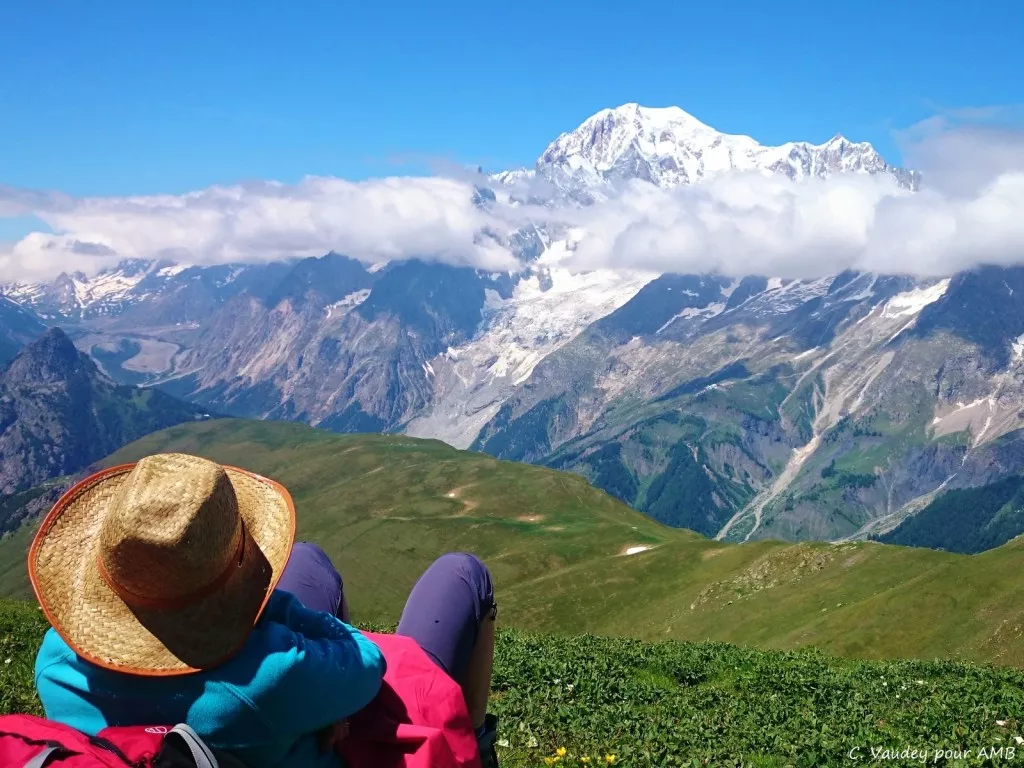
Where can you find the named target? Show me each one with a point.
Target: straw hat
(161, 567)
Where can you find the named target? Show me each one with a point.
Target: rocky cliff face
(345, 349)
(820, 409)
(58, 413)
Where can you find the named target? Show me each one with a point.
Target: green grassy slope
(859, 600)
(682, 704)
(384, 506)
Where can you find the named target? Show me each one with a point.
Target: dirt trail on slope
(468, 505)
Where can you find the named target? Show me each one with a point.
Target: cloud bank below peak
(744, 224)
(376, 220)
(967, 212)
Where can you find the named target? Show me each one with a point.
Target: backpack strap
(39, 760)
(201, 754)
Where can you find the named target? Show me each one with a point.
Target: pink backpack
(27, 741)
(418, 720)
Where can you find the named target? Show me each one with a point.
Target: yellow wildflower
(560, 751)
(609, 759)
(585, 759)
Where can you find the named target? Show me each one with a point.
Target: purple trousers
(443, 612)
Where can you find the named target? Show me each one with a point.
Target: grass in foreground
(693, 704)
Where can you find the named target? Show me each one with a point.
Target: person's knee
(476, 573)
(310, 550)
(467, 562)
(312, 578)
(307, 551)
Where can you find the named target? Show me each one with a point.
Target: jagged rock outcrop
(58, 413)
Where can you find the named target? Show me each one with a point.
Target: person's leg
(313, 579)
(451, 614)
(476, 684)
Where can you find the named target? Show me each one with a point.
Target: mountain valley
(742, 407)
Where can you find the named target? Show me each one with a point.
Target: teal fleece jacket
(298, 672)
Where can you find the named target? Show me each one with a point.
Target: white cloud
(377, 220)
(970, 210)
(751, 224)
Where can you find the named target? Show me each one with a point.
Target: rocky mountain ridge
(740, 407)
(59, 413)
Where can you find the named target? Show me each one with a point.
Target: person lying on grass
(175, 594)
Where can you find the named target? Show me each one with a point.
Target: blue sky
(120, 97)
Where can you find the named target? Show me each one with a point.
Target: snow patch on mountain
(702, 312)
(781, 296)
(172, 270)
(106, 285)
(912, 302)
(21, 293)
(347, 303)
(516, 176)
(1018, 348)
(76, 293)
(231, 276)
(544, 314)
(547, 310)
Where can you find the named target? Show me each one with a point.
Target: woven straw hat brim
(100, 627)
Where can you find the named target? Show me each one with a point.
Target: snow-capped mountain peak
(632, 120)
(667, 146)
